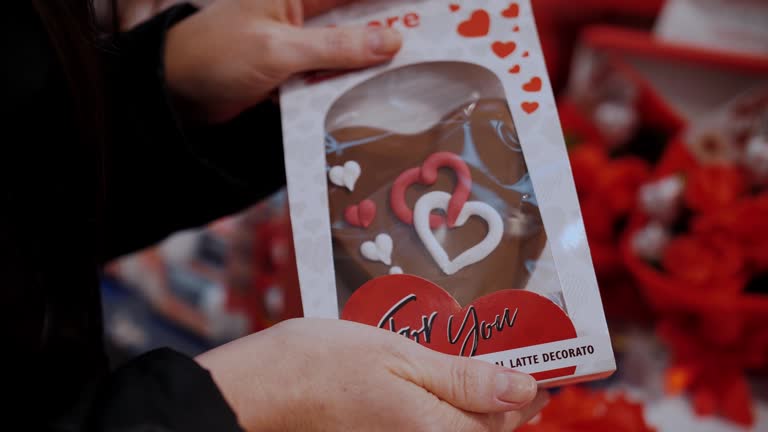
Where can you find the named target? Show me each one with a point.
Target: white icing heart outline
(439, 200)
(378, 250)
(346, 175)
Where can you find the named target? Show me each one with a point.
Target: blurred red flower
(712, 368)
(745, 222)
(704, 262)
(587, 160)
(711, 187)
(598, 221)
(576, 409)
(618, 183)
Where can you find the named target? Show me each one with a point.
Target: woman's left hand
(233, 53)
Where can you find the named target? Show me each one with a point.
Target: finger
(316, 7)
(502, 422)
(530, 411)
(339, 48)
(295, 12)
(473, 385)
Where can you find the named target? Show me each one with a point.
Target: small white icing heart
(378, 250)
(346, 175)
(439, 200)
(395, 270)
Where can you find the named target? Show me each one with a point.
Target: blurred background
(664, 105)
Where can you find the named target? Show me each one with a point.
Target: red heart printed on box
(426, 313)
(478, 24)
(512, 11)
(529, 107)
(533, 85)
(503, 49)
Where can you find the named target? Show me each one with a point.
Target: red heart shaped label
(427, 175)
(503, 49)
(533, 85)
(512, 11)
(361, 215)
(478, 24)
(422, 311)
(529, 107)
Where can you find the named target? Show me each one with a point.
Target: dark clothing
(65, 209)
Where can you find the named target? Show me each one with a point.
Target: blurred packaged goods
(207, 286)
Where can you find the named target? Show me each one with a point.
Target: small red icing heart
(421, 310)
(427, 174)
(516, 29)
(361, 215)
(478, 24)
(512, 11)
(529, 107)
(525, 54)
(503, 49)
(533, 85)
(514, 69)
(454, 7)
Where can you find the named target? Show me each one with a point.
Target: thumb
(342, 47)
(474, 385)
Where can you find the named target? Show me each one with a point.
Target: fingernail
(514, 387)
(383, 41)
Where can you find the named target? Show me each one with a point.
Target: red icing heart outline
(361, 215)
(478, 24)
(512, 11)
(533, 85)
(503, 49)
(421, 310)
(427, 175)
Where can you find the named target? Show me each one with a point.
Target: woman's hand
(233, 53)
(332, 375)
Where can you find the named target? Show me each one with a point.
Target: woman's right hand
(332, 375)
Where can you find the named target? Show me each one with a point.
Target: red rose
(618, 183)
(575, 409)
(745, 222)
(586, 161)
(711, 371)
(711, 187)
(755, 247)
(757, 256)
(704, 262)
(598, 220)
(607, 260)
(578, 129)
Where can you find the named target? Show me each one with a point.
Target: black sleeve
(56, 375)
(163, 176)
(162, 391)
